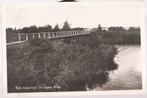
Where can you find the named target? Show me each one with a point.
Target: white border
(81, 93)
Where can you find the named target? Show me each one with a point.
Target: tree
(134, 30)
(45, 28)
(9, 29)
(78, 28)
(56, 28)
(31, 29)
(66, 26)
(99, 28)
(48, 27)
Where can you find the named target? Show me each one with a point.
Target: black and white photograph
(73, 46)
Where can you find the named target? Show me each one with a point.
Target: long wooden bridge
(49, 35)
(53, 35)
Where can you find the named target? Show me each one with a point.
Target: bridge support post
(52, 35)
(27, 37)
(39, 35)
(57, 34)
(71, 33)
(33, 36)
(44, 35)
(48, 35)
(19, 37)
(81, 32)
(68, 33)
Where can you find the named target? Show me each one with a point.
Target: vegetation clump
(72, 64)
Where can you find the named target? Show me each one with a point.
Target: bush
(73, 66)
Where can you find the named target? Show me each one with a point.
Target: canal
(128, 76)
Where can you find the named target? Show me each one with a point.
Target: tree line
(119, 35)
(46, 28)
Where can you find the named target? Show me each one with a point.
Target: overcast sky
(124, 13)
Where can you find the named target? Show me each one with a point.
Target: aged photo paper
(68, 48)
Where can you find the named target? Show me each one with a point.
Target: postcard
(74, 47)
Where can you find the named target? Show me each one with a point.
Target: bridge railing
(51, 35)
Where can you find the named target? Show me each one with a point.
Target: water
(128, 76)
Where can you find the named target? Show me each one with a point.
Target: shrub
(73, 66)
